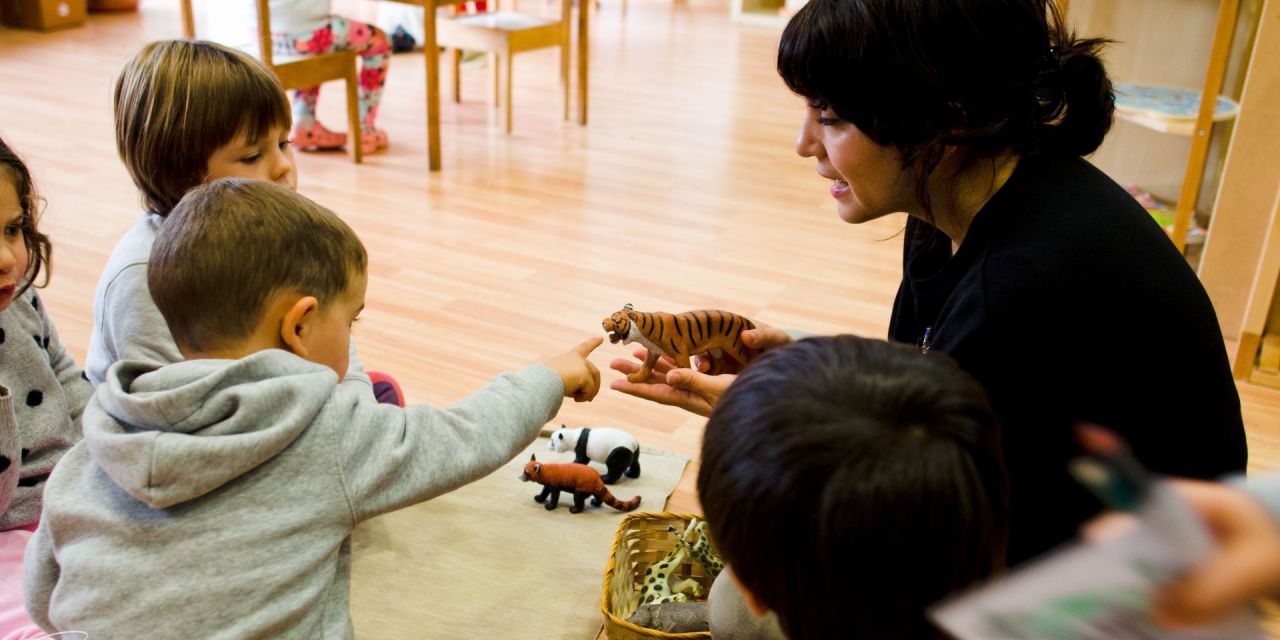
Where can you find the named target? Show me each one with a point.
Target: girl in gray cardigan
(42, 391)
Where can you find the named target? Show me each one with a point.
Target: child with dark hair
(1036, 272)
(215, 497)
(42, 391)
(851, 483)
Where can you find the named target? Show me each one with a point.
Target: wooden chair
(303, 72)
(505, 34)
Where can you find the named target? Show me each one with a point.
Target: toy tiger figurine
(579, 479)
(680, 336)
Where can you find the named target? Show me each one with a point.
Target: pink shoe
(317, 138)
(372, 140)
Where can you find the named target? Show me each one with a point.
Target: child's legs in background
(307, 132)
(14, 622)
(374, 49)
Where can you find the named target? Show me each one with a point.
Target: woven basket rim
(612, 566)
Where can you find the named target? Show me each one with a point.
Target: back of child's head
(229, 246)
(925, 76)
(177, 101)
(850, 483)
(39, 251)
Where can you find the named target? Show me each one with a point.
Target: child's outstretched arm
(390, 458)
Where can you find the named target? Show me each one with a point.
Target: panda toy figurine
(617, 450)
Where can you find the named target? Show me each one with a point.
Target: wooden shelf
(1167, 109)
(1184, 128)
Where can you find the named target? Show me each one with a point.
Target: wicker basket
(642, 540)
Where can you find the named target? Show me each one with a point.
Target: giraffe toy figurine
(657, 587)
(702, 550)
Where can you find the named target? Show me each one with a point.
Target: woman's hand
(761, 338)
(684, 388)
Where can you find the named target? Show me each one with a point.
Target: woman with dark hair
(1031, 268)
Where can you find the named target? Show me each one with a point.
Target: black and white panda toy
(616, 449)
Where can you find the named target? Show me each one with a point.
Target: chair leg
(354, 127)
(510, 97)
(455, 56)
(495, 62)
(564, 75)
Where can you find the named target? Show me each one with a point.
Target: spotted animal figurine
(578, 479)
(702, 550)
(657, 587)
(681, 336)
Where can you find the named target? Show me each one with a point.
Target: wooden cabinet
(1241, 263)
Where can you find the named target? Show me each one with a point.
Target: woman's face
(868, 181)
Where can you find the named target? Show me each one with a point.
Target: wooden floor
(683, 192)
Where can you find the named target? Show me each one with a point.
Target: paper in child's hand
(1096, 590)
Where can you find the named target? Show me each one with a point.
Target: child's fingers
(585, 348)
(592, 387)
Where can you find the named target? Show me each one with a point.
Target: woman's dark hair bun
(1076, 101)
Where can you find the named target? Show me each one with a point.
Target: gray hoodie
(216, 498)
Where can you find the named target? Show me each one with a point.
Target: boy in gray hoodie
(215, 497)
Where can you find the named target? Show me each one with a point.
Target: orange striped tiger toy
(579, 479)
(681, 336)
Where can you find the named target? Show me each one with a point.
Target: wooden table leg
(188, 20)
(584, 54)
(432, 51)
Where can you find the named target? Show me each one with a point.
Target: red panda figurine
(579, 479)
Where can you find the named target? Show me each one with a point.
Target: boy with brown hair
(215, 497)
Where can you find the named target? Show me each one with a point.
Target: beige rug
(488, 562)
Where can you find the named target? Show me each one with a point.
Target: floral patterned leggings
(340, 34)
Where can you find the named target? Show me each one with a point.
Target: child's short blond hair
(230, 245)
(177, 101)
